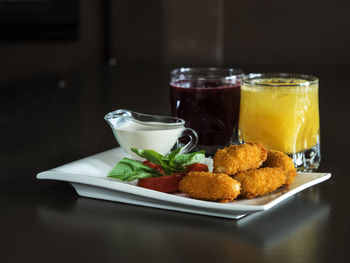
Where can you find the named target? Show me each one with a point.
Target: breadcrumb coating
(281, 160)
(260, 181)
(210, 186)
(239, 158)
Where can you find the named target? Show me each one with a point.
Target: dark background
(65, 64)
(249, 34)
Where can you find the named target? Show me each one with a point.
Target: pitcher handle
(192, 134)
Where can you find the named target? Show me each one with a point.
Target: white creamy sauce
(153, 136)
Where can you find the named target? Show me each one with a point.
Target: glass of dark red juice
(208, 99)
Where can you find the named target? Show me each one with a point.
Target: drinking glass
(208, 100)
(280, 110)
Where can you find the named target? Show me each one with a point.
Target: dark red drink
(210, 107)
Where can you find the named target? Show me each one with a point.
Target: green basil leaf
(170, 158)
(175, 169)
(149, 155)
(128, 170)
(169, 169)
(183, 160)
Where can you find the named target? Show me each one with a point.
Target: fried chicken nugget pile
(239, 158)
(260, 181)
(210, 186)
(247, 170)
(281, 160)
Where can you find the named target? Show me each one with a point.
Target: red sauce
(166, 183)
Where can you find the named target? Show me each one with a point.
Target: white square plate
(88, 177)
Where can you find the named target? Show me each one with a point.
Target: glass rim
(220, 71)
(249, 79)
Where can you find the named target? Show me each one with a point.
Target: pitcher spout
(114, 117)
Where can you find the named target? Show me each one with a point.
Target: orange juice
(281, 113)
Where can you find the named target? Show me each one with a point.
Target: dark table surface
(46, 123)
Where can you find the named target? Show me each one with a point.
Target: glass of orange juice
(280, 110)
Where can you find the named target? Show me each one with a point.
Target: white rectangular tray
(88, 177)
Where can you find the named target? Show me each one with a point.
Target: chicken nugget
(281, 160)
(260, 181)
(210, 186)
(239, 158)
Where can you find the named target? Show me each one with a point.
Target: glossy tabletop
(47, 122)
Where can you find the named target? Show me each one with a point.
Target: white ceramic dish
(88, 177)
